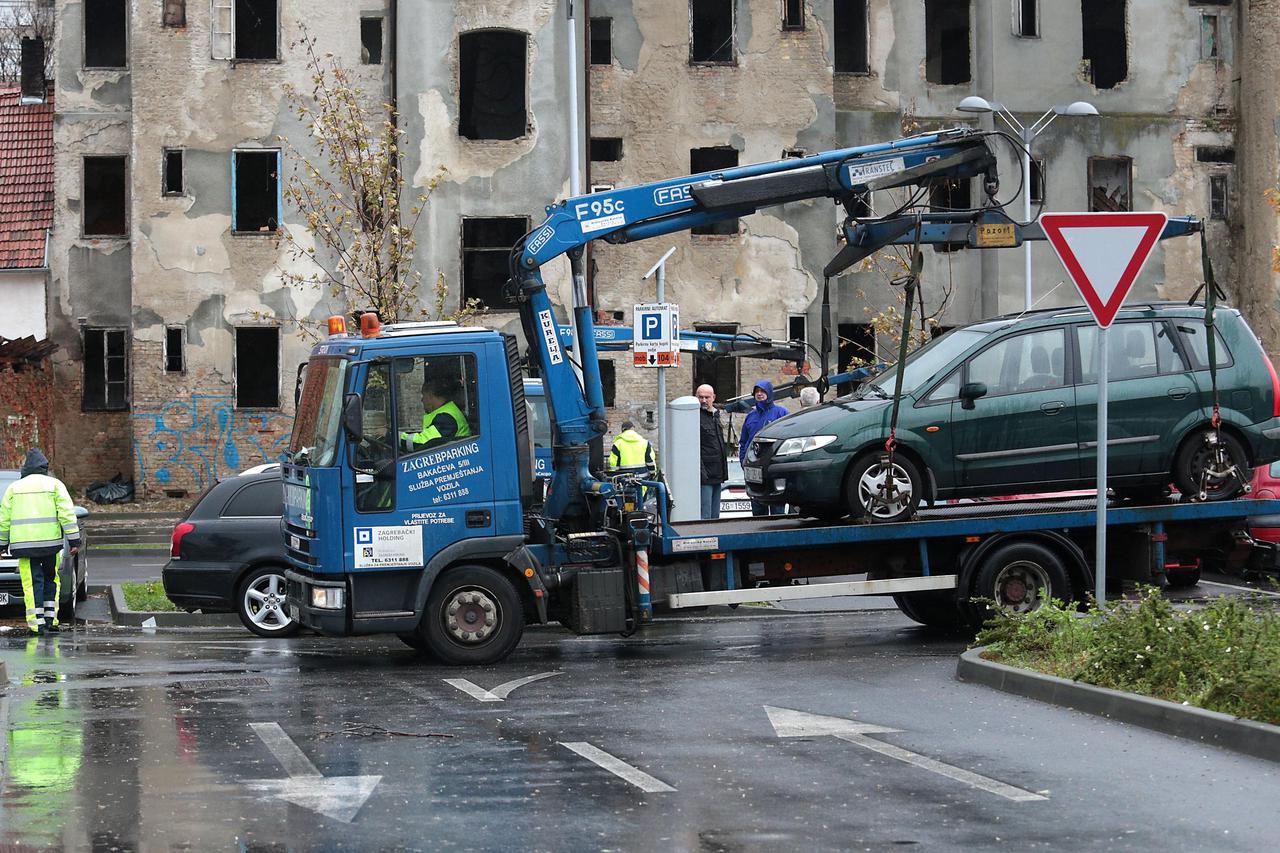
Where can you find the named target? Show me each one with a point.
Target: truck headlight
(796, 446)
(327, 597)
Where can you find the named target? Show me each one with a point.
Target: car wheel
(473, 616)
(880, 490)
(1182, 579)
(1210, 466)
(82, 588)
(260, 603)
(1020, 576)
(934, 609)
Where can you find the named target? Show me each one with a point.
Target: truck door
(420, 478)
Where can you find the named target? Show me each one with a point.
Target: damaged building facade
(179, 342)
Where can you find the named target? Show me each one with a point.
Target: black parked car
(228, 554)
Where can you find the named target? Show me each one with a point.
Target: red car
(1265, 529)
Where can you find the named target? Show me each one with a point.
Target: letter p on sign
(651, 327)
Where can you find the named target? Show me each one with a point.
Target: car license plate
(4, 598)
(295, 543)
(735, 506)
(752, 475)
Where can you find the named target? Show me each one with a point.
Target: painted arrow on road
(789, 723)
(338, 797)
(499, 693)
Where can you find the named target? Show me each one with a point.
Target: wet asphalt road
(210, 740)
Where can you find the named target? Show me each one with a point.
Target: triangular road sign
(1103, 253)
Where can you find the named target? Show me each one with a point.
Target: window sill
(276, 408)
(104, 68)
(275, 232)
(102, 410)
(867, 73)
(724, 238)
(235, 60)
(124, 236)
(707, 63)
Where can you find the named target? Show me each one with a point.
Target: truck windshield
(315, 427)
(924, 363)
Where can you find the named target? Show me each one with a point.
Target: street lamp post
(1027, 133)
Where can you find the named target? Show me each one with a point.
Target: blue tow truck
(410, 492)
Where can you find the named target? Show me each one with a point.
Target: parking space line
(619, 768)
(1241, 588)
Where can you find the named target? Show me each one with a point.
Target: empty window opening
(257, 367)
(1037, 180)
(255, 29)
(605, 149)
(793, 153)
(106, 370)
(793, 14)
(1110, 183)
(1026, 18)
(797, 327)
(104, 196)
(31, 70)
(711, 31)
(371, 41)
(174, 13)
(1106, 48)
(1218, 202)
(851, 36)
(1215, 154)
(856, 348)
(492, 84)
(255, 197)
(174, 358)
(104, 34)
(1209, 35)
(946, 34)
(719, 372)
(173, 171)
(486, 247)
(602, 188)
(609, 381)
(601, 45)
(712, 160)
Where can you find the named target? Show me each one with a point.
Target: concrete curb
(1259, 740)
(122, 615)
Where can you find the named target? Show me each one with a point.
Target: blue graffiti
(205, 437)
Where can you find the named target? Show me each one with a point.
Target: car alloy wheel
(1211, 466)
(261, 604)
(884, 488)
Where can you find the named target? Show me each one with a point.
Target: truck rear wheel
(935, 609)
(473, 616)
(1020, 576)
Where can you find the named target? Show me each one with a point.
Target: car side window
(949, 389)
(1029, 362)
(256, 500)
(1134, 351)
(1193, 335)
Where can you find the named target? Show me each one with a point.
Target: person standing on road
(714, 461)
(631, 450)
(763, 413)
(35, 515)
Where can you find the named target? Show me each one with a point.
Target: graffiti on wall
(197, 440)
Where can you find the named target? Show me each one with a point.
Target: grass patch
(146, 596)
(1223, 657)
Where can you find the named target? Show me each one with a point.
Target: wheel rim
(873, 490)
(264, 602)
(1022, 586)
(472, 615)
(1212, 468)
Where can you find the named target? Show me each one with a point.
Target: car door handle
(1179, 392)
(1052, 408)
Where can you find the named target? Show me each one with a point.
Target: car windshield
(315, 427)
(926, 362)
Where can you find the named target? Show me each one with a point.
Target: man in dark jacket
(715, 464)
(763, 413)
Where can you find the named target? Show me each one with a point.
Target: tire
(1020, 576)
(866, 474)
(260, 603)
(473, 616)
(934, 609)
(1199, 457)
(412, 640)
(1182, 580)
(82, 588)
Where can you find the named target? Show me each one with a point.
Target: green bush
(1224, 656)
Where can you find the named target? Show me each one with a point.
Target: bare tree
(21, 19)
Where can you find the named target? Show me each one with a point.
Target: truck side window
(375, 454)
(437, 401)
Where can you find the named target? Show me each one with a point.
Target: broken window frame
(593, 58)
(732, 41)
(98, 33)
(166, 172)
(235, 215)
(222, 33)
(175, 362)
(1211, 50)
(500, 252)
(934, 67)
(84, 200)
(837, 54)
(365, 55)
(604, 149)
(95, 345)
(470, 119)
(173, 14)
(1104, 49)
(793, 16)
(1020, 29)
(255, 366)
(1092, 165)
(798, 322)
(1219, 196)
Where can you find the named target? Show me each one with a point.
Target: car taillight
(1275, 385)
(175, 550)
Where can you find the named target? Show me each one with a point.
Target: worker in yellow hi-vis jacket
(36, 513)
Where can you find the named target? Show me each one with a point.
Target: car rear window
(1274, 470)
(257, 499)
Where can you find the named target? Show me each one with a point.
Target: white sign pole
(1100, 556)
(662, 373)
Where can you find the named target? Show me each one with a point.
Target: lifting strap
(911, 281)
(1222, 464)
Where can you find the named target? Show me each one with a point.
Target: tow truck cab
(410, 452)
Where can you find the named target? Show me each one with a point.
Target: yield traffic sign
(1103, 253)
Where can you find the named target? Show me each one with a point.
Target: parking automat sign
(388, 547)
(655, 338)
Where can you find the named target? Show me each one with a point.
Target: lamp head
(1078, 108)
(974, 104)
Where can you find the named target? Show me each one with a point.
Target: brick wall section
(26, 412)
(90, 446)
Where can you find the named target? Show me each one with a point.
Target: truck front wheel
(473, 616)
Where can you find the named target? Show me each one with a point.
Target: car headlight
(796, 446)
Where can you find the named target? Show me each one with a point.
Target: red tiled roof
(26, 180)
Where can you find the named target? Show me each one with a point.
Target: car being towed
(1008, 405)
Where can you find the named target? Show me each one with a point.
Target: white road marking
(619, 768)
(790, 723)
(1241, 588)
(338, 797)
(499, 693)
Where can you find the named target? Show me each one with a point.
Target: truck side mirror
(297, 384)
(352, 418)
(971, 391)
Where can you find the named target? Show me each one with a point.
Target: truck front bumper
(333, 621)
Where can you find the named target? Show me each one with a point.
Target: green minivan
(1008, 406)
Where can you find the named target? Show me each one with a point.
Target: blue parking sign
(651, 327)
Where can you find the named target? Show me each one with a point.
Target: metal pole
(1027, 136)
(662, 375)
(1100, 555)
(575, 174)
